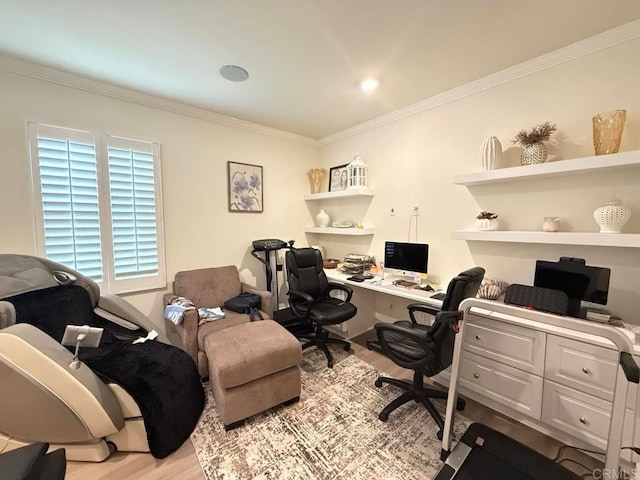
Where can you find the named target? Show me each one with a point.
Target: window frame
(101, 144)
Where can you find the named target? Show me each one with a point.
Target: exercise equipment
(484, 453)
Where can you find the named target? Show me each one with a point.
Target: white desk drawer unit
(513, 345)
(521, 391)
(576, 413)
(588, 368)
(563, 386)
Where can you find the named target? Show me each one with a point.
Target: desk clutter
(355, 263)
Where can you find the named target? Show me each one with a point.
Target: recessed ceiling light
(234, 73)
(369, 85)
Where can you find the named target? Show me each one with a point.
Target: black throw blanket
(162, 379)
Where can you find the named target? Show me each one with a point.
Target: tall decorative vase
(607, 131)
(612, 216)
(534, 153)
(316, 179)
(323, 219)
(490, 153)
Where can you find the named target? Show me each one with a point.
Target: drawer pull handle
(476, 375)
(583, 420)
(477, 337)
(585, 370)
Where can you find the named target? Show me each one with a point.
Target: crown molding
(590, 45)
(47, 74)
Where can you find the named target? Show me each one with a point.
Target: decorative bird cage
(358, 173)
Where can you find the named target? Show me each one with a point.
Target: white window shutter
(99, 209)
(135, 213)
(65, 168)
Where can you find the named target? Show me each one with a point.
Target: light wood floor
(184, 465)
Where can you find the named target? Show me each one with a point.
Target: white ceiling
(305, 58)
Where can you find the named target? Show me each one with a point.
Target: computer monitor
(576, 279)
(406, 259)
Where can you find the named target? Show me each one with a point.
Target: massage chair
(44, 399)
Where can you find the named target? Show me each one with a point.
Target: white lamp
(358, 173)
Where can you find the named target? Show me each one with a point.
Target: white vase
(486, 224)
(612, 216)
(323, 219)
(490, 153)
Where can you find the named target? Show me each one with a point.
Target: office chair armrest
(303, 298)
(345, 288)
(444, 322)
(420, 307)
(299, 295)
(402, 336)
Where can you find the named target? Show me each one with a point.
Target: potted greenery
(487, 221)
(534, 151)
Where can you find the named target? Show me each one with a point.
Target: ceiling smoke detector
(234, 73)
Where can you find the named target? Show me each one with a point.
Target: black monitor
(576, 279)
(407, 259)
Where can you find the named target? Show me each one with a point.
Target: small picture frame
(245, 187)
(338, 178)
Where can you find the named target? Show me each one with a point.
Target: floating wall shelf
(631, 240)
(353, 192)
(340, 231)
(552, 169)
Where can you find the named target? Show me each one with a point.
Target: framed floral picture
(245, 187)
(338, 178)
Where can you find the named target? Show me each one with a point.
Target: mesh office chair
(427, 350)
(309, 300)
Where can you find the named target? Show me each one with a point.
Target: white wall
(413, 161)
(199, 231)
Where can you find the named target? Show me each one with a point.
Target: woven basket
(330, 263)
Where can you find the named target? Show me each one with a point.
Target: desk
(372, 297)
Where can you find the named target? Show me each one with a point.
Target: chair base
(321, 339)
(420, 394)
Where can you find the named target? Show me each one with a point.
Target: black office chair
(310, 301)
(427, 350)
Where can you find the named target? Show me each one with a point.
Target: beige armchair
(209, 287)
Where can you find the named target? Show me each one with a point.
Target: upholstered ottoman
(252, 367)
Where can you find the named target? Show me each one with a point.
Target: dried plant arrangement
(537, 134)
(487, 216)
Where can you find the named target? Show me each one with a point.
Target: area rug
(333, 432)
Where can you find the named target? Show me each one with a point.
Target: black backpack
(246, 302)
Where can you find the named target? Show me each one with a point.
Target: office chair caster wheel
(439, 434)
(460, 404)
(384, 416)
(330, 364)
(347, 348)
(378, 383)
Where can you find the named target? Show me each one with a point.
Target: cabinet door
(585, 367)
(512, 345)
(518, 390)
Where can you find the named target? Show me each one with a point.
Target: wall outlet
(416, 210)
(391, 211)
